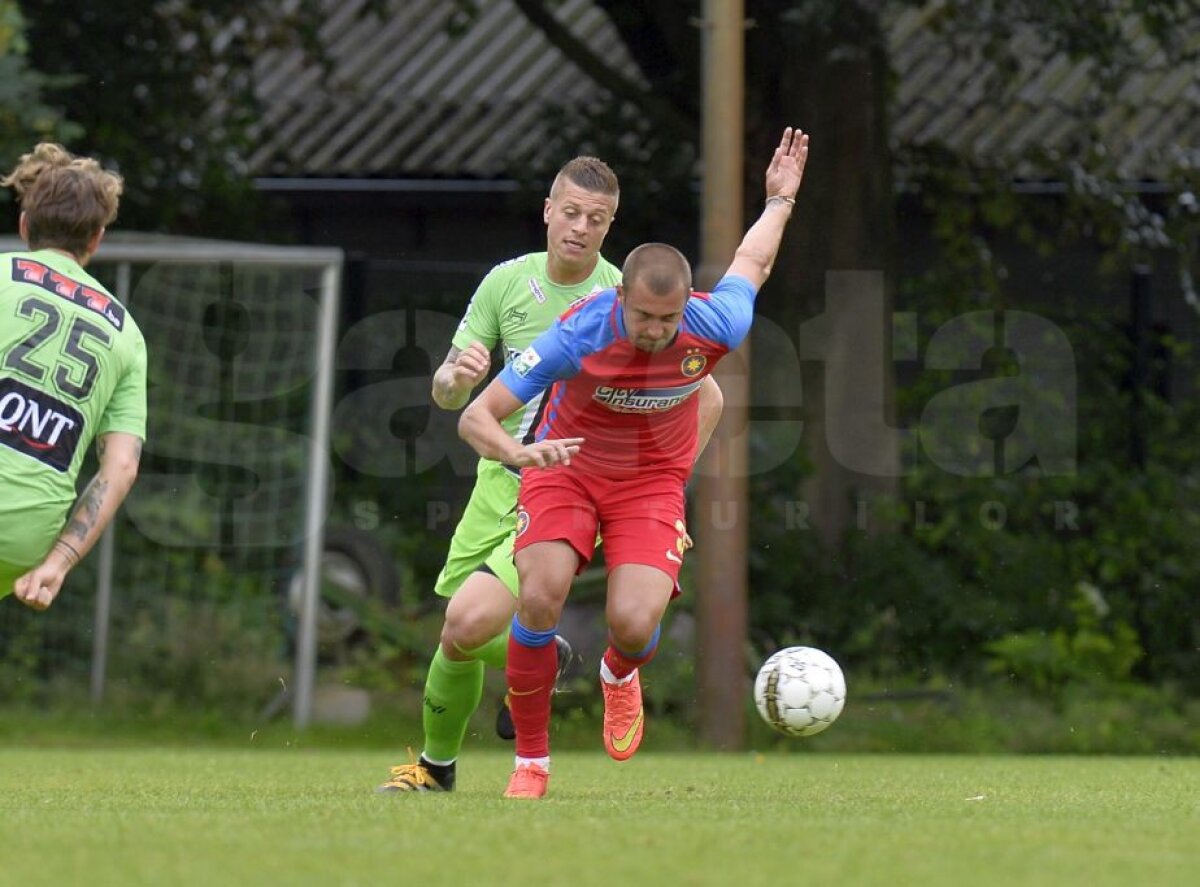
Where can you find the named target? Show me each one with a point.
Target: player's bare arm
(458, 375)
(120, 455)
(756, 254)
(480, 426)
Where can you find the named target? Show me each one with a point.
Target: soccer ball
(800, 691)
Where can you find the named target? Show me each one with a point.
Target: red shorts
(642, 519)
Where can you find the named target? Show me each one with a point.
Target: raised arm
(480, 426)
(756, 254)
(119, 455)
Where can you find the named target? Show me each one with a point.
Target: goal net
(186, 597)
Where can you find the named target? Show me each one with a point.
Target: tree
(824, 65)
(25, 117)
(165, 93)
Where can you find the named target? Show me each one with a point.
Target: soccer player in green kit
(516, 301)
(72, 370)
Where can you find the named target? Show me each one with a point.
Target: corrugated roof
(405, 98)
(943, 97)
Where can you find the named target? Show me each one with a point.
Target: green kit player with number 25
(72, 370)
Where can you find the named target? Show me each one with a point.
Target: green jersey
(514, 304)
(72, 366)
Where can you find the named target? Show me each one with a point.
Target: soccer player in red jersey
(620, 435)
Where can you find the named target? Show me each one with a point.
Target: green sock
(452, 693)
(494, 653)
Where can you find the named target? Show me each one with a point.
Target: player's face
(651, 320)
(577, 222)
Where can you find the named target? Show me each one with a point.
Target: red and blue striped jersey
(634, 408)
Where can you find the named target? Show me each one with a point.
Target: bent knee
(467, 630)
(633, 634)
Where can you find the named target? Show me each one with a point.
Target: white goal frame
(125, 249)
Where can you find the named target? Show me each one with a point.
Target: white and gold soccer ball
(800, 691)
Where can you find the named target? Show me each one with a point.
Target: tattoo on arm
(87, 510)
(443, 386)
(68, 549)
(102, 448)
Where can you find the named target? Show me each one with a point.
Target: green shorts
(486, 532)
(8, 575)
(26, 532)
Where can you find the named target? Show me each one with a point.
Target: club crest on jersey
(526, 361)
(538, 295)
(693, 365)
(522, 521)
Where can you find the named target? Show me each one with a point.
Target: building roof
(406, 98)
(945, 97)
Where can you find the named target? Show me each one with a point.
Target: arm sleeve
(126, 410)
(481, 321)
(725, 316)
(551, 357)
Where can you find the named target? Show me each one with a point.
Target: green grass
(290, 816)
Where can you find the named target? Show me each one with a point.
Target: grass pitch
(293, 817)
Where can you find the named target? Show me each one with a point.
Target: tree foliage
(164, 91)
(1003, 38)
(26, 116)
(931, 596)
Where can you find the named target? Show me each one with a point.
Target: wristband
(790, 201)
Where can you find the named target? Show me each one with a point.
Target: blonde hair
(590, 174)
(67, 200)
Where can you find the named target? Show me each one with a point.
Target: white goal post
(119, 255)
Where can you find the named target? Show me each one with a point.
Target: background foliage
(164, 91)
(27, 111)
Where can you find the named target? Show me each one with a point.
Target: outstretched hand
(548, 453)
(786, 169)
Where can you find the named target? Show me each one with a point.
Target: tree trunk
(833, 84)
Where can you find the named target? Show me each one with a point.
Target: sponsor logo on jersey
(538, 295)
(643, 400)
(693, 365)
(39, 425)
(526, 361)
(45, 277)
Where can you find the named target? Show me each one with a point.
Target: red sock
(622, 664)
(530, 672)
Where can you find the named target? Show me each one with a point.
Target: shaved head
(660, 268)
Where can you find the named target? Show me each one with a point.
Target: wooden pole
(719, 504)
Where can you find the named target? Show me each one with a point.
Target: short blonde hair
(67, 200)
(590, 174)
